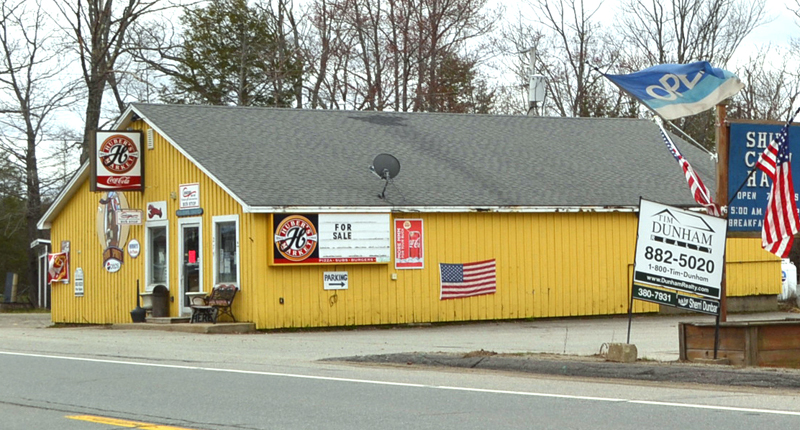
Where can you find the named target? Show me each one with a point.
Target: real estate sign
(679, 258)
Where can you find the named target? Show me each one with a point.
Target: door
(191, 263)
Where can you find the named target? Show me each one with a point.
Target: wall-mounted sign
(111, 234)
(78, 282)
(408, 244)
(189, 196)
(129, 217)
(679, 256)
(331, 238)
(134, 248)
(747, 142)
(117, 163)
(58, 268)
(334, 280)
(156, 211)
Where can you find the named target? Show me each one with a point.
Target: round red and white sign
(118, 154)
(296, 238)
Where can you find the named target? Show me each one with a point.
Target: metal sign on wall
(408, 241)
(747, 142)
(116, 163)
(331, 238)
(679, 258)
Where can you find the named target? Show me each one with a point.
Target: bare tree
(380, 54)
(682, 31)
(33, 86)
(98, 29)
(772, 87)
(569, 45)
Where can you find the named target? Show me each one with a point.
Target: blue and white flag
(677, 90)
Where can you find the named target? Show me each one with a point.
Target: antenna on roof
(536, 84)
(386, 167)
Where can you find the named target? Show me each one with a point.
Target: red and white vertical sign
(117, 161)
(408, 244)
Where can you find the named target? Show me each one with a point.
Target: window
(226, 250)
(156, 255)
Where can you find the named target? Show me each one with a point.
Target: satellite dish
(385, 166)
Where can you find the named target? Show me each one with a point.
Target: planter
(774, 343)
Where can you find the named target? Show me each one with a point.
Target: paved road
(276, 380)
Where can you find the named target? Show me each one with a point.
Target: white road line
(404, 384)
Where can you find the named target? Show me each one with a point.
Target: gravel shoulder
(595, 367)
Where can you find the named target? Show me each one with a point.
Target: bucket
(138, 314)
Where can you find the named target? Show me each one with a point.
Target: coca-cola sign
(117, 161)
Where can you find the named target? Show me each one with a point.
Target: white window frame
(215, 221)
(148, 254)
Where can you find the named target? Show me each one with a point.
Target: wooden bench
(217, 303)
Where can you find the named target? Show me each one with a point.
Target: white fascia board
(189, 157)
(439, 209)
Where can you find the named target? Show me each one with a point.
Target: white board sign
(78, 282)
(189, 196)
(334, 280)
(354, 237)
(129, 217)
(679, 250)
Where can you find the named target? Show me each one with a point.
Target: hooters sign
(117, 161)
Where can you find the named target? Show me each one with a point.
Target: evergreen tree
(232, 55)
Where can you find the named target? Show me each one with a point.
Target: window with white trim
(157, 257)
(226, 250)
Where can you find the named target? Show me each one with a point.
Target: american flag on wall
(468, 279)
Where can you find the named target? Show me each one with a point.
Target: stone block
(622, 352)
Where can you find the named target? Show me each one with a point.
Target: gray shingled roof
(291, 157)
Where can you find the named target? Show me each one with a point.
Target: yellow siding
(548, 264)
(751, 270)
(109, 297)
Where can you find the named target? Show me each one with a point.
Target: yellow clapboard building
(339, 218)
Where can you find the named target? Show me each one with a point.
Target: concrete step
(167, 320)
(219, 328)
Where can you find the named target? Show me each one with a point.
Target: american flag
(781, 220)
(701, 194)
(468, 279)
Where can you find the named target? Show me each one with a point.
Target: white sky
(777, 32)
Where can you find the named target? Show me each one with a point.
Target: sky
(778, 32)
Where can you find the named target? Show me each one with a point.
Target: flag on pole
(468, 279)
(768, 161)
(699, 191)
(677, 90)
(781, 220)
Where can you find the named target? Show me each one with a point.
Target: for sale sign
(679, 252)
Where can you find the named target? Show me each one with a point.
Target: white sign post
(680, 256)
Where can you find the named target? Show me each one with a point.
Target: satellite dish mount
(386, 167)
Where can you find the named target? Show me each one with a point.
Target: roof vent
(149, 138)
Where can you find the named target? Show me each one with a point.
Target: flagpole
(723, 156)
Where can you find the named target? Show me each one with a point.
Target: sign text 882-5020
(679, 250)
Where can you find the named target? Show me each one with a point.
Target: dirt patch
(596, 367)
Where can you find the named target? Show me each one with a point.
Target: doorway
(191, 263)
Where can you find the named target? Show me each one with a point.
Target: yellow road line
(124, 423)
